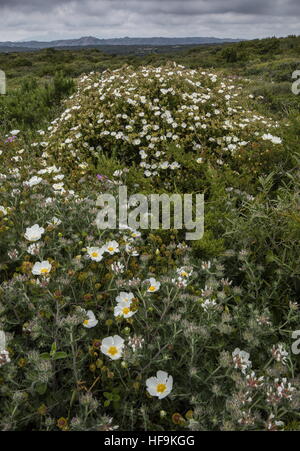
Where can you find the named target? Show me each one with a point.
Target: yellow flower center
(126, 310)
(152, 288)
(112, 350)
(110, 249)
(94, 254)
(184, 274)
(85, 322)
(161, 388)
(44, 270)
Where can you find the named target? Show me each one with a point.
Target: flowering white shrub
(164, 120)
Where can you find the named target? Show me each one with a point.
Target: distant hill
(92, 41)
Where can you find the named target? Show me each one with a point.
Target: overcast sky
(60, 19)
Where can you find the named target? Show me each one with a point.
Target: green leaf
(108, 395)
(53, 349)
(45, 356)
(60, 355)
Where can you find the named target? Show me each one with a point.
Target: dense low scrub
(34, 103)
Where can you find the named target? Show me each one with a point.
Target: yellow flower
(62, 423)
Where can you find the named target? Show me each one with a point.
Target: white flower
(273, 139)
(123, 309)
(3, 210)
(95, 253)
(55, 221)
(135, 234)
(34, 233)
(117, 267)
(41, 268)
(34, 249)
(161, 385)
(154, 285)
(4, 354)
(33, 181)
(180, 282)
(164, 165)
(131, 250)
(15, 132)
(4, 357)
(91, 320)
(207, 304)
(136, 342)
(206, 266)
(58, 187)
(112, 247)
(175, 165)
(113, 347)
(241, 360)
(279, 353)
(143, 154)
(118, 173)
(58, 177)
(125, 297)
(184, 272)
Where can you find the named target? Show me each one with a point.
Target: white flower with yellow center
(161, 385)
(123, 309)
(125, 298)
(95, 253)
(91, 320)
(41, 268)
(59, 187)
(184, 272)
(113, 347)
(112, 247)
(54, 221)
(135, 234)
(34, 233)
(154, 285)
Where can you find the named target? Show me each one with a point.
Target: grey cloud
(114, 18)
(180, 7)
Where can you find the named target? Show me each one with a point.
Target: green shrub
(33, 104)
